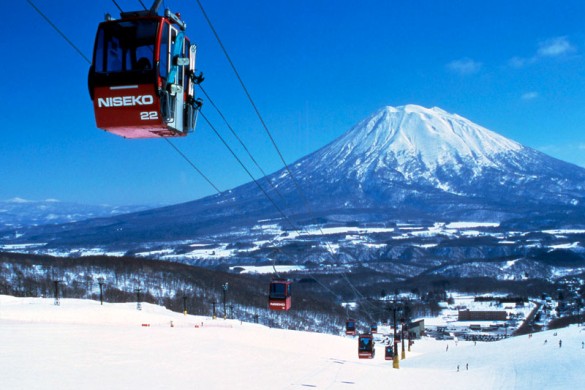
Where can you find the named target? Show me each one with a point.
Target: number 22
(148, 115)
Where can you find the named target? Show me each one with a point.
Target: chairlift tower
(225, 288)
(101, 283)
(138, 303)
(403, 322)
(57, 299)
(407, 317)
(394, 307)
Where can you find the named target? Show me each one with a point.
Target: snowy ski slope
(82, 345)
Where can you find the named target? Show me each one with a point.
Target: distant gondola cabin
(350, 327)
(279, 297)
(388, 352)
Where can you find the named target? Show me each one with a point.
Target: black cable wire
(330, 251)
(356, 292)
(251, 100)
(299, 189)
(264, 174)
(118, 6)
(193, 165)
(247, 171)
(262, 189)
(285, 217)
(59, 31)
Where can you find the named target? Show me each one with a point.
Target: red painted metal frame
(281, 303)
(134, 110)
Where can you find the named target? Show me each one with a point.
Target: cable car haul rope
(142, 83)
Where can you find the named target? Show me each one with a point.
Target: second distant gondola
(388, 352)
(350, 327)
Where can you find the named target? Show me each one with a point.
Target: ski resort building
(489, 315)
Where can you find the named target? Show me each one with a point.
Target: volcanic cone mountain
(401, 163)
(411, 160)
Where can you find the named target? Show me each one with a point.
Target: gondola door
(123, 79)
(192, 106)
(173, 88)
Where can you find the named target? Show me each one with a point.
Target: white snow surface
(268, 269)
(466, 225)
(81, 344)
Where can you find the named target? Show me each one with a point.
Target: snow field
(81, 344)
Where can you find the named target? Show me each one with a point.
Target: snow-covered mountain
(400, 164)
(416, 145)
(436, 163)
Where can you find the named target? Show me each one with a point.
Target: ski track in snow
(81, 344)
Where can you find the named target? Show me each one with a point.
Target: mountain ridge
(16, 213)
(377, 165)
(400, 163)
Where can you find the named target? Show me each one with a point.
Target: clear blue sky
(314, 69)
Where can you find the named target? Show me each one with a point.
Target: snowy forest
(321, 302)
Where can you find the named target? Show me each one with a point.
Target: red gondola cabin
(366, 349)
(350, 327)
(142, 79)
(279, 297)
